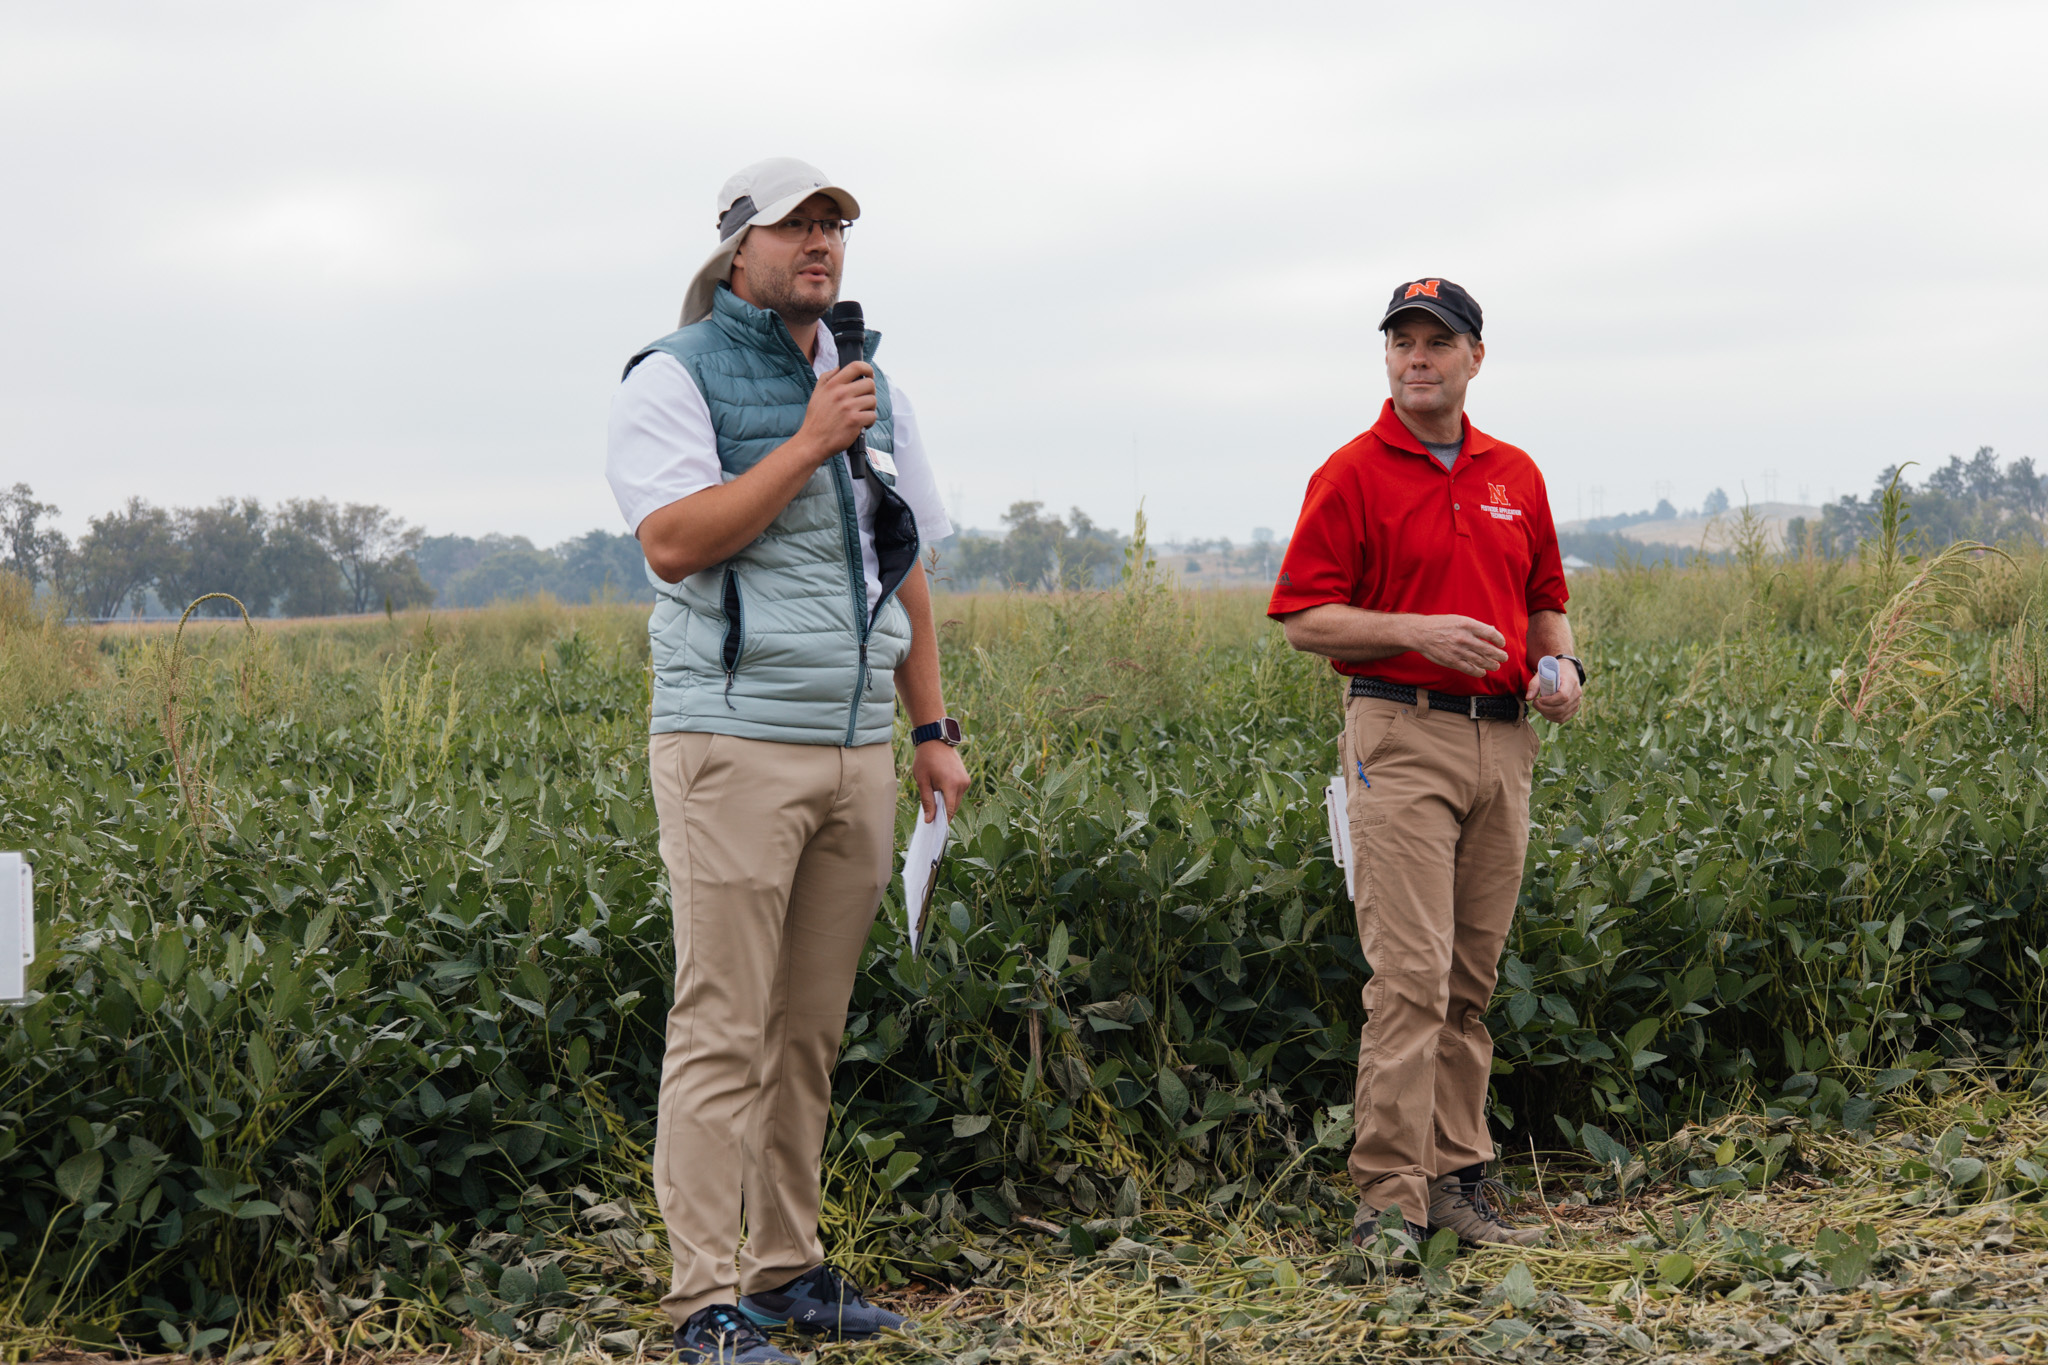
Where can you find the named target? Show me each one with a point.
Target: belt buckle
(1472, 706)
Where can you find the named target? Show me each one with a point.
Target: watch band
(946, 729)
(1576, 663)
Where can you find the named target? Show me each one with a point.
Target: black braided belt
(1478, 708)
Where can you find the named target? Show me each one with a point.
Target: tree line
(316, 557)
(1980, 498)
(468, 571)
(303, 557)
(1035, 552)
(1975, 499)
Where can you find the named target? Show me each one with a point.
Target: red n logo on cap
(1422, 287)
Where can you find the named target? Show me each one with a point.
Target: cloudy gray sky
(397, 252)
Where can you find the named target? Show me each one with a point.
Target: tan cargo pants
(777, 856)
(1439, 827)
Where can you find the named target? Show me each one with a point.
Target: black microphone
(850, 335)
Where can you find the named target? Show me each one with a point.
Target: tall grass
(41, 660)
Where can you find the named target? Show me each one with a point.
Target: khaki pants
(1439, 827)
(777, 856)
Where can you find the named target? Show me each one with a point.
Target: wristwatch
(946, 729)
(1576, 664)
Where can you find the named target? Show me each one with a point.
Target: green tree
(497, 567)
(1973, 499)
(118, 558)
(975, 559)
(369, 553)
(1091, 554)
(1031, 544)
(598, 564)
(32, 550)
(303, 573)
(1037, 553)
(218, 549)
(366, 542)
(398, 584)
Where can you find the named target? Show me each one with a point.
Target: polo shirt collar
(1394, 432)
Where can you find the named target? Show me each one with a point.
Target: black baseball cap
(1450, 304)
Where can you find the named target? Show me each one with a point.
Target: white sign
(17, 925)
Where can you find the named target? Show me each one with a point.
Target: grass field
(355, 949)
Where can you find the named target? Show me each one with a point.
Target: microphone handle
(850, 346)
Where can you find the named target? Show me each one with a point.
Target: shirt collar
(1394, 432)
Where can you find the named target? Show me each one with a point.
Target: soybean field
(354, 951)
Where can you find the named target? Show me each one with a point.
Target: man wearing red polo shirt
(1425, 568)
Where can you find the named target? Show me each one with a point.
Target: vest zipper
(849, 533)
(735, 642)
(857, 579)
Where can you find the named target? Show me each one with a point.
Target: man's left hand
(1561, 705)
(936, 768)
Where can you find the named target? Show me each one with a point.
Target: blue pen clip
(1361, 775)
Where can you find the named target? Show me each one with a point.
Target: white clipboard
(1337, 803)
(921, 867)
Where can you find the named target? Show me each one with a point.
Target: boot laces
(1486, 1195)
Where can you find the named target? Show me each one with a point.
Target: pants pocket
(1371, 733)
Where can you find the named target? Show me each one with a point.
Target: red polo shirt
(1387, 528)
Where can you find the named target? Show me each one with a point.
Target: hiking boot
(723, 1335)
(1463, 1201)
(1388, 1240)
(820, 1300)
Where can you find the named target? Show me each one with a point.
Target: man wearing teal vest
(790, 612)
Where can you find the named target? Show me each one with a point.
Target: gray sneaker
(1462, 1201)
(820, 1300)
(723, 1335)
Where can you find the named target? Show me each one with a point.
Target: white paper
(17, 925)
(1337, 802)
(921, 868)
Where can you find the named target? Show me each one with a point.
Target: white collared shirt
(663, 448)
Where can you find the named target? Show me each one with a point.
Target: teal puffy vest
(777, 643)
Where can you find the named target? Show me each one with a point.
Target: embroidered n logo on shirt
(1497, 505)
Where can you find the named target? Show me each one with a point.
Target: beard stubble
(776, 290)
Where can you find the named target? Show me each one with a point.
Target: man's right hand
(712, 524)
(841, 408)
(1459, 642)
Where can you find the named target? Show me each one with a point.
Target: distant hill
(1714, 533)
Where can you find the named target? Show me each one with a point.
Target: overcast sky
(398, 252)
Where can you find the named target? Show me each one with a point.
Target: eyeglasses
(799, 229)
